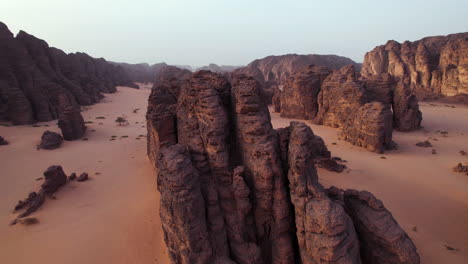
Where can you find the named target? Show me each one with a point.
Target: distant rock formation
(271, 71)
(50, 140)
(140, 72)
(432, 65)
(216, 68)
(72, 124)
(37, 82)
(223, 174)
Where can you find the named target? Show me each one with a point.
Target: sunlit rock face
(432, 65)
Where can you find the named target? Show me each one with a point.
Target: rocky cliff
(432, 65)
(271, 71)
(37, 81)
(234, 190)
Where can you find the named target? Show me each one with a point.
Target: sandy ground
(428, 200)
(113, 218)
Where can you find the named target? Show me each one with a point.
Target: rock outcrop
(381, 238)
(72, 124)
(298, 94)
(345, 103)
(3, 141)
(233, 189)
(432, 65)
(50, 140)
(271, 71)
(37, 81)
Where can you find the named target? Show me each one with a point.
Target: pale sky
(233, 32)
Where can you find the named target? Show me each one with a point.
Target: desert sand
(113, 218)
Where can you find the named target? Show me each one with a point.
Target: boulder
(83, 177)
(3, 141)
(50, 140)
(54, 179)
(72, 124)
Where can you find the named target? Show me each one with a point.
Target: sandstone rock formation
(223, 174)
(344, 103)
(50, 140)
(271, 71)
(3, 141)
(382, 239)
(37, 81)
(432, 65)
(299, 93)
(72, 124)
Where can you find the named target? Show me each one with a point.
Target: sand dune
(113, 218)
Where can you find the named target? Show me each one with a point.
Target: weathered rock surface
(37, 81)
(406, 114)
(54, 179)
(30, 204)
(72, 124)
(325, 233)
(271, 71)
(433, 65)
(382, 240)
(3, 141)
(370, 127)
(50, 140)
(223, 173)
(344, 103)
(298, 96)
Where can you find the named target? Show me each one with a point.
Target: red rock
(298, 98)
(54, 179)
(382, 239)
(432, 65)
(72, 124)
(271, 71)
(50, 140)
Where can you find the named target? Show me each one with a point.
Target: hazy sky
(232, 32)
